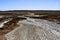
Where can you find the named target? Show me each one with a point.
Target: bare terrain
(9, 19)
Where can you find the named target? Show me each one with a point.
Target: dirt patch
(9, 26)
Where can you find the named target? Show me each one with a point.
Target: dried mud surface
(9, 26)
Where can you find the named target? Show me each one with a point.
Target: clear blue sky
(29, 4)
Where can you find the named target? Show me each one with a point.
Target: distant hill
(37, 12)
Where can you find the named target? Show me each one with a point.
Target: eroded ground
(12, 24)
(8, 26)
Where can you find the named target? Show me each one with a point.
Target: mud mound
(35, 29)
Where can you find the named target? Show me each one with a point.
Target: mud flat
(7, 25)
(35, 29)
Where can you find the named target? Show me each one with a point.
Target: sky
(29, 4)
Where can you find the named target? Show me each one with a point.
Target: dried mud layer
(9, 26)
(12, 24)
(35, 29)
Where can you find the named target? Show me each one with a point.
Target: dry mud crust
(29, 31)
(9, 26)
